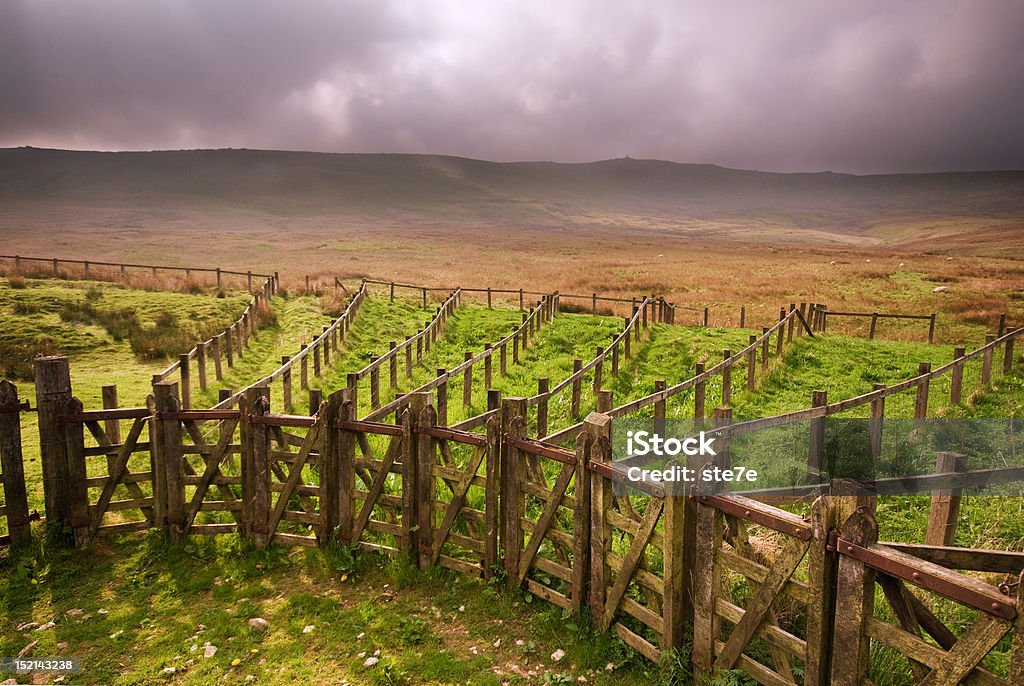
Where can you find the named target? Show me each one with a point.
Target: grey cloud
(865, 86)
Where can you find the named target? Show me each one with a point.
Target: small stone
(193, 648)
(940, 289)
(462, 608)
(902, 264)
(44, 627)
(308, 629)
(170, 670)
(610, 667)
(497, 644)
(520, 642)
(558, 655)
(360, 636)
(27, 650)
(582, 679)
(376, 653)
(75, 612)
(361, 655)
(258, 624)
(250, 677)
(63, 645)
(473, 650)
(102, 611)
(370, 662)
(210, 651)
(28, 626)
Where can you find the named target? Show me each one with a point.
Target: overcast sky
(862, 86)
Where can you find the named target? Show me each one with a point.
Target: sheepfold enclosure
(786, 597)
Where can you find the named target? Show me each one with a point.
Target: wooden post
(604, 402)
(347, 401)
(626, 339)
(53, 391)
(577, 386)
(218, 370)
(513, 425)
(956, 380)
(330, 475)
(526, 330)
(229, 347)
(822, 565)
(408, 357)
(201, 365)
(467, 380)
(239, 340)
(503, 359)
(679, 533)
(659, 405)
(874, 322)
(705, 316)
(986, 361)
(876, 424)
(111, 427)
(424, 298)
(743, 317)
(1008, 356)
(921, 402)
(286, 385)
(593, 305)
(931, 328)
(543, 385)
(597, 369)
(782, 333)
(520, 299)
(374, 384)
(726, 379)
(489, 307)
(393, 364)
(316, 358)
(168, 438)
(515, 346)
(303, 369)
(598, 428)
(803, 317)
(74, 437)
(944, 514)
(816, 444)
(419, 346)
(186, 382)
(488, 366)
(316, 398)
(792, 323)
(764, 347)
(752, 364)
(855, 602)
(218, 278)
(11, 465)
(256, 493)
(699, 391)
(325, 343)
(442, 397)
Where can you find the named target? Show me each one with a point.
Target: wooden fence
(767, 592)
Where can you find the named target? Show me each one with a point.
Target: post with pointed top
(255, 402)
(598, 428)
(168, 444)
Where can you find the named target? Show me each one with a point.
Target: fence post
(374, 384)
(503, 359)
(944, 513)
(626, 339)
(419, 346)
(604, 401)
(408, 357)
(752, 364)
(855, 602)
(705, 316)
(593, 304)
(347, 412)
(792, 324)
(816, 444)
(442, 397)
(325, 343)
(488, 365)
(515, 345)
(330, 476)
(513, 425)
(598, 428)
(822, 565)
(303, 369)
(186, 381)
(876, 423)
(74, 436)
(726, 379)
(543, 384)
(921, 401)
(931, 328)
(201, 365)
(743, 316)
(425, 488)
(956, 379)
(393, 364)
(599, 355)
(782, 332)
(15, 495)
(874, 323)
(581, 525)
(218, 370)
(764, 347)
(286, 385)
(316, 358)
(256, 465)
(53, 391)
(229, 347)
(316, 398)
(699, 392)
(410, 479)
(636, 329)
(1008, 356)
(574, 401)
(986, 361)
(467, 380)
(168, 443)
(615, 358)
(659, 405)
(680, 537)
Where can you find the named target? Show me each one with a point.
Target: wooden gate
(909, 637)
(457, 496)
(546, 497)
(212, 480)
(637, 560)
(758, 571)
(113, 495)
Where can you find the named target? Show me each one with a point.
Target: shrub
(18, 282)
(22, 307)
(164, 339)
(120, 323)
(16, 358)
(77, 312)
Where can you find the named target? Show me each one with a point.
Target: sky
(865, 86)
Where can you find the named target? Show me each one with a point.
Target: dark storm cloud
(859, 86)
